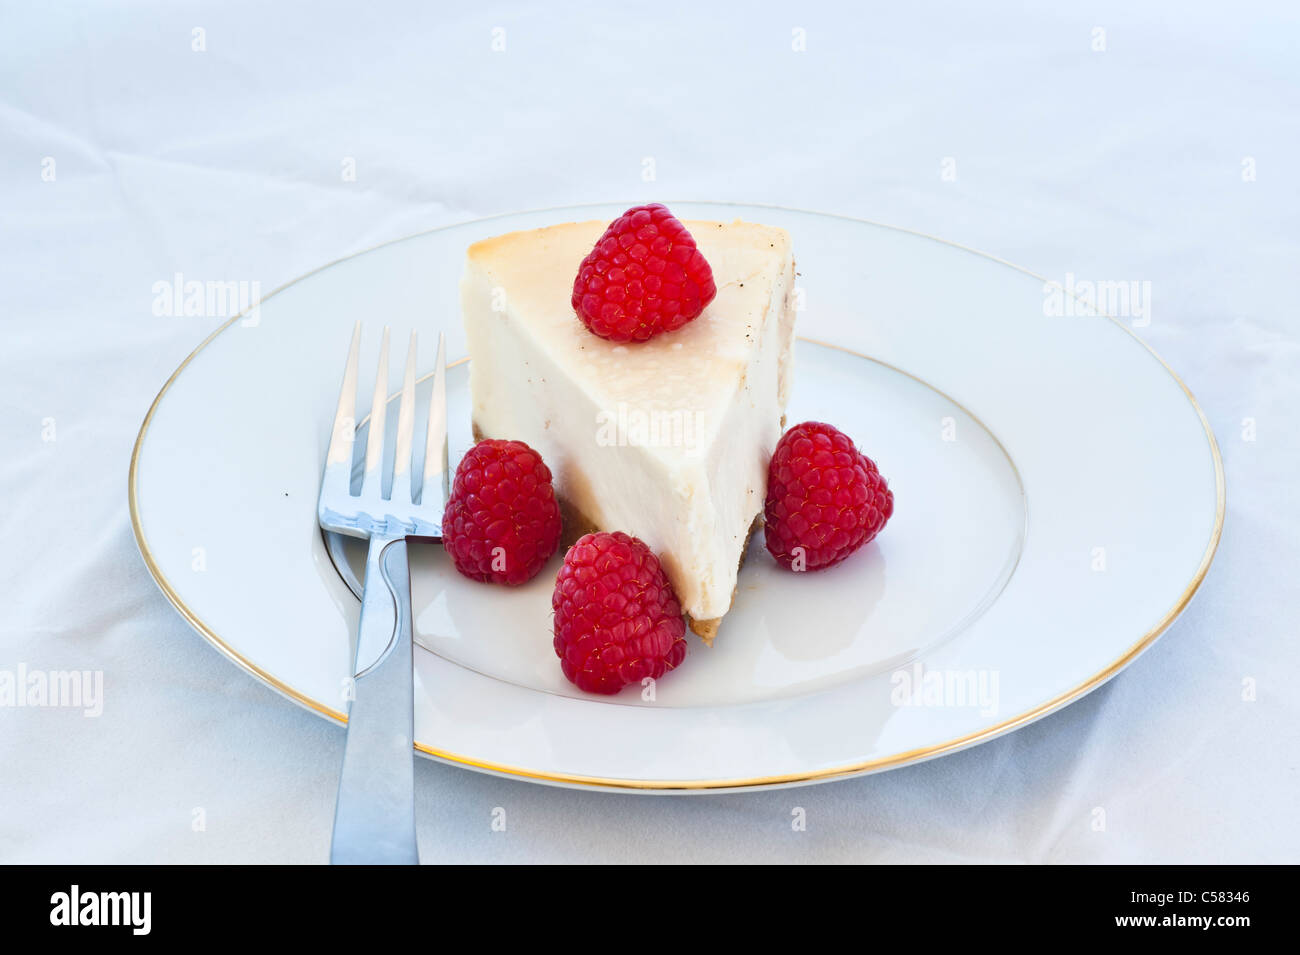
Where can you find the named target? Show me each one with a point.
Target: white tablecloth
(127, 155)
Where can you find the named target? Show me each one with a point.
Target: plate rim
(862, 767)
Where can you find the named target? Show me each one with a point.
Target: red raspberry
(502, 522)
(644, 277)
(823, 495)
(617, 620)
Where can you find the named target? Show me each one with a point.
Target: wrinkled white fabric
(1128, 162)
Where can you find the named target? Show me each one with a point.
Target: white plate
(1059, 499)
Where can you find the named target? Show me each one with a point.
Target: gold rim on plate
(834, 772)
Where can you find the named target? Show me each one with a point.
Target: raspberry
(644, 277)
(502, 522)
(824, 496)
(617, 620)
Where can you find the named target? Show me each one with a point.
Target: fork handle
(374, 819)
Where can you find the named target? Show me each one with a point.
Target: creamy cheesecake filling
(667, 440)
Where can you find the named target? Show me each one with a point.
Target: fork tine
(375, 440)
(433, 490)
(405, 430)
(345, 422)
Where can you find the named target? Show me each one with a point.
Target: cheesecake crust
(574, 523)
(706, 630)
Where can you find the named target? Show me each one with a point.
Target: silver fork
(374, 818)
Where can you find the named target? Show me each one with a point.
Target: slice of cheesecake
(668, 440)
